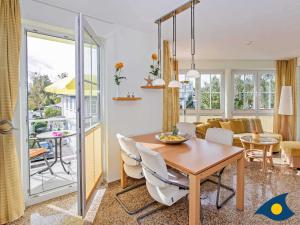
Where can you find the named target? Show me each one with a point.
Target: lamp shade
(286, 101)
(174, 84)
(193, 74)
(158, 82)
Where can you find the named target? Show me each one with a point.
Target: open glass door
(88, 83)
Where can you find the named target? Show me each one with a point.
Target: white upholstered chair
(187, 128)
(165, 186)
(225, 137)
(132, 167)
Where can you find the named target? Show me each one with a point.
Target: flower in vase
(117, 76)
(154, 68)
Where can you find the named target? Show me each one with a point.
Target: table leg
(124, 179)
(55, 158)
(240, 184)
(62, 162)
(265, 159)
(194, 200)
(271, 154)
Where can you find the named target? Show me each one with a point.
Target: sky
(50, 57)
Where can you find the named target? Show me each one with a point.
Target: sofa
(291, 153)
(240, 127)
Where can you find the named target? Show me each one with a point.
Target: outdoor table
(57, 136)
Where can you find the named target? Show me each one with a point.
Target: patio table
(57, 136)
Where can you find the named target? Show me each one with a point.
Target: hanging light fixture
(174, 83)
(159, 81)
(193, 72)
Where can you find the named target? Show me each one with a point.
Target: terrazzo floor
(259, 188)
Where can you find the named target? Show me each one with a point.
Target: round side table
(265, 153)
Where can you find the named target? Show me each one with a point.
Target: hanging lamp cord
(174, 43)
(159, 48)
(193, 34)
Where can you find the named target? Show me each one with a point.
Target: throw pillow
(237, 126)
(226, 125)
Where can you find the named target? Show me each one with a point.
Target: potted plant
(154, 70)
(118, 77)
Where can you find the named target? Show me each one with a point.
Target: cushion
(226, 125)
(237, 126)
(214, 122)
(201, 130)
(255, 126)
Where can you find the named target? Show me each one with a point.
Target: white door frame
(81, 26)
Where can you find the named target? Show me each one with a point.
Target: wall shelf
(126, 99)
(153, 87)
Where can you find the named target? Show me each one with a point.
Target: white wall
(130, 46)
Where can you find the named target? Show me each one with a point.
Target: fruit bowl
(169, 138)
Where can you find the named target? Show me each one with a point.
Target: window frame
(207, 112)
(256, 111)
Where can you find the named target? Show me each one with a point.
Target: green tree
(38, 98)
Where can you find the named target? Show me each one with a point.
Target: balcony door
(89, 116)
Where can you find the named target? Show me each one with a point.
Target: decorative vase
(117, 91)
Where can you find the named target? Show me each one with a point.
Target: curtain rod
(177, 11)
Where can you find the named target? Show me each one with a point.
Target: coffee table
(265, 153)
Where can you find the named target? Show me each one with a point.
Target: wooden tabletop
(193, 156)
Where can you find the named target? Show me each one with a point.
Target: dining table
(198, 159)
(57, 136)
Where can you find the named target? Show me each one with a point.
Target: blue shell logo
(276, 208)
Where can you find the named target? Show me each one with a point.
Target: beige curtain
(11, 195)
(170, 95)
(285, 76)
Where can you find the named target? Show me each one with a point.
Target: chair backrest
(219, 135)
(152, 162)
(128, 147)
(187, 128)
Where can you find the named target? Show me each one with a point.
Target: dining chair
(164, 185)
(132, 167)
(225, 137)
(186, 128)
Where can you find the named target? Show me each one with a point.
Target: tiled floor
(259, 187)
(45, 181)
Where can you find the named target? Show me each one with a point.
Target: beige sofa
(240, 127)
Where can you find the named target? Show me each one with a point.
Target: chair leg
(153, 211)
(48, 164)
(219, 185)
(127, 190)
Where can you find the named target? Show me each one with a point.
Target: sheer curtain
(11, 195)
(170, 95)
(286, 76)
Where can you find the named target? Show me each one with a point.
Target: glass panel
(266, 89)
(205, 83)
(215, 82)
(239, 101)
(215, 101)
(205, 101)
(51, 112)
(249, 101)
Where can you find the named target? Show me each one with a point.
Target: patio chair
(225, 137)
(133, 169)
(36, 153)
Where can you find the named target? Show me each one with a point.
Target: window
(244, 91)
(201, 97)
(266, 91)
(210, 92)
(91, 83)
(253, 91)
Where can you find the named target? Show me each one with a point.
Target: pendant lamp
(159, 81)
(174, 83)
(193, 73)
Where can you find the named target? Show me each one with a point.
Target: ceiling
(225, 29)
